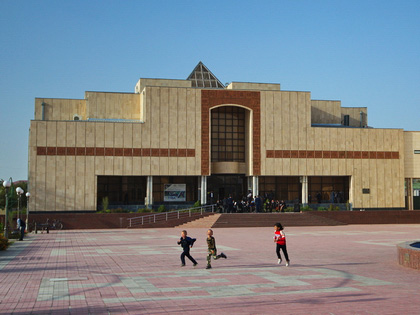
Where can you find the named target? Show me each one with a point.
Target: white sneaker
(287, 263)
(279, 261)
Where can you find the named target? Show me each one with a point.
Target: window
(121, 190)
(416, 151)
(228, 134)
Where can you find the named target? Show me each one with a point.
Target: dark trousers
(22, 233)
(187, 254)
(284, 249)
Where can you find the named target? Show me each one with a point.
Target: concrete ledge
(409, 256)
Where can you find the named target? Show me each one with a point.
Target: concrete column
(409, 187)
(351, 200)
(255, 186)
(203, 191)
(305, 190)
(149, 191)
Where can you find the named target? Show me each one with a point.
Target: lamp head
(19, 191)
(28, 194)
(7, 184)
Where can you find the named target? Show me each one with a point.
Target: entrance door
(224, 186)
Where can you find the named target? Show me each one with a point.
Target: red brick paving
(334, 270)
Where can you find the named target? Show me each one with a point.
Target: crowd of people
(267, 203)
(250, 204)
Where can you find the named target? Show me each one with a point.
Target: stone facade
(164, 130)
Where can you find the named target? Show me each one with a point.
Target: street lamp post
(6, 185)
(19, 192)
(27, 210)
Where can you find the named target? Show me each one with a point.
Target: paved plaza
(334, 270)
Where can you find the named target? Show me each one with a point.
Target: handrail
(165, 216)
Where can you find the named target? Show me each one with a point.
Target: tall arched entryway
(229, 148)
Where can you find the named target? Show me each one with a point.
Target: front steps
(206, 222)
(229, 220)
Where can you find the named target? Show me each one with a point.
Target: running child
(212, 251)
(186, 243)
(280, 240)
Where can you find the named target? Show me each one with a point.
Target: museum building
(175, 142)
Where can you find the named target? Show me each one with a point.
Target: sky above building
(363, 53)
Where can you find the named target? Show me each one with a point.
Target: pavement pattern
(334, 270)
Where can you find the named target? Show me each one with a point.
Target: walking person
(211, 250)
(186, 243)
(21, 226)
(280, 240)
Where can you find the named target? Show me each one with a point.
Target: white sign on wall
(175, 192)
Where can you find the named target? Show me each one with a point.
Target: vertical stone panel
(70, 182)
(40, 196)
(191, 130)
(80, 183)
(293, 123)
(173, 129)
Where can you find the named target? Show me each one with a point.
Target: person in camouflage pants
(212, 251)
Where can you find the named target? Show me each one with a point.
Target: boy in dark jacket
(186, 243)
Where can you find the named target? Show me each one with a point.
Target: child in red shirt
(280, 240)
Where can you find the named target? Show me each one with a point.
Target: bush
(105, 203)
(322, 209)
(161, 208)
(144, 210)
(119, 210)
(4, 242)
(289, 209)
(197, 204)
(333, 208)
(305, 208)
(11, 218)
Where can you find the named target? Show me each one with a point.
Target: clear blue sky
(364, 53)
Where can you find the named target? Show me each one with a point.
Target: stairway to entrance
(229, 220)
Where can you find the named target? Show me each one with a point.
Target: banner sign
(175, 192)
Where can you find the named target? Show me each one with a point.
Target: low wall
(372, 217)
(85, 220)
(409, 256)
(119, 220)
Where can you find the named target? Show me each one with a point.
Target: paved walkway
(334, 270)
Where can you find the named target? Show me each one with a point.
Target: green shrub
(333, 208)
(10, 216)
(322, 209)
(144, 210)
(105, 204)
(305, 208)
(161, 208)
(289, 209)
(4, 242)
(119, 210)
(197, 204)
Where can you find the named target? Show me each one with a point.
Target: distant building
(175, 141)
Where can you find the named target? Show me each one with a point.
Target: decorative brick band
(92, 151)
(248, 99)
(318, 154)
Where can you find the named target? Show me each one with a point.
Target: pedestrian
(186, 243)
(280, 240)
(211, 250)
(258, 204)
(21, 227)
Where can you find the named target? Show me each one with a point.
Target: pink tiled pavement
(334, 270)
